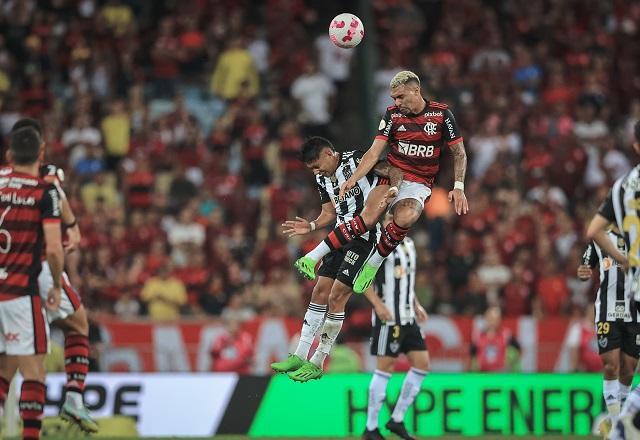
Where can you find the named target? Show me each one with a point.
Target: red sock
(32, 396)
(346, 232)
(76, 361)
(391, 237)
(4, 390)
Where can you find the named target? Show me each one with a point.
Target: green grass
(390, 437)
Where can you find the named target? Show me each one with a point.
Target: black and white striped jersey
(353, 201)
(614, 300)
(622, 207)
(395, 284)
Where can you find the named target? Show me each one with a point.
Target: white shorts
(412, 190)
(24, 329)
(69, 298)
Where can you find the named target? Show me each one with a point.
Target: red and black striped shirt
(26, 203)
(415, 140)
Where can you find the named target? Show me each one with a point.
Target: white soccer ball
(346, 30)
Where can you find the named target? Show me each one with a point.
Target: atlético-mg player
(414, 131)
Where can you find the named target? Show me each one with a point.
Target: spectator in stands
(494, 348)
(164, 295)
(232, 351)
(235, 73)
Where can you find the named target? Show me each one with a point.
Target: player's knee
(611, 368)
(320, 296)
(76, 323)
(338, 297)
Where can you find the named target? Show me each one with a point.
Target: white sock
(377, 394)
(74, 398)
(633, 402)
(623, 392)
(319, 251)
(310, 326)
(328, 334)
(611, 398)
(375, 259)
(410, 387)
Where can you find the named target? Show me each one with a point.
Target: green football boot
(365, 278)
(79, 416)
(307, 267)
(307, 372)
(292, 363)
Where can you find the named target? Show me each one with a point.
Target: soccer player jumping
(414, 131)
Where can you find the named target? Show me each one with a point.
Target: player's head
(492, 317)
(405, 92)
(27, 122)
(319, 155)
(25, 146)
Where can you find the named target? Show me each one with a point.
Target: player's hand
(346, 186)
(584, 272)
(391, 194)
(53, 299)
(383, 313)
(299, 226)
(421, 313)
(459, 201)
(73, 239)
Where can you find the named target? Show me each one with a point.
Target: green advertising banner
(463, 404)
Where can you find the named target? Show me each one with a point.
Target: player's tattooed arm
(459, 161)
(384, 169)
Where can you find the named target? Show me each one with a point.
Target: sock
(377, 394)
(623, 392)
(76, 365)
(310, 326)
(632, 404)
(410, 388)
(32, 395)
(341, 235)
(611, 398)
(392, 236)
(328, 335)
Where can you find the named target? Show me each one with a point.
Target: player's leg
(379, 381)
(338, 298)
(312, 322)
(610, 389)
(628, 362)
(406, 209)
(345, 233)
(412, 343)
(76, 365)
(24, 319)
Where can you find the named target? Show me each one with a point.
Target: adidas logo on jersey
(346, 272)
(401, 128)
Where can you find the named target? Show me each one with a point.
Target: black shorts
(619, 334)
(391, 340)
(345, 263)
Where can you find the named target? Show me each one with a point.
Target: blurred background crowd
(178, 125)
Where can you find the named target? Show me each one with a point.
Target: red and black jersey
(415, 140)
(26, 203)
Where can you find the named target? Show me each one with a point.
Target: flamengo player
(29, 219)
(71, 316)
(414, 131)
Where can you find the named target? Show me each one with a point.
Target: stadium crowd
(179, 130)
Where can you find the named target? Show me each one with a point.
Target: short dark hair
(636, 131)
(312, 147)
(25, 146)
(27, 122)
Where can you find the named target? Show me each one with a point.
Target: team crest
(394, 347)
(603, 341)
(430, 128)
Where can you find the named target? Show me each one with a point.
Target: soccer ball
(346, 30)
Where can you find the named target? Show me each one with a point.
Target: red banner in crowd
(186, 346)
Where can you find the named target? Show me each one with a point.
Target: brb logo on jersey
(415, 150)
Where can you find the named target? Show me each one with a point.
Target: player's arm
(421, 313)
(56, 177)
(368, 161)
(302, 226)
(452, 136)
(54, 252)
(378, 305)
(587, 262)
(395, 176)
(597, 231)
